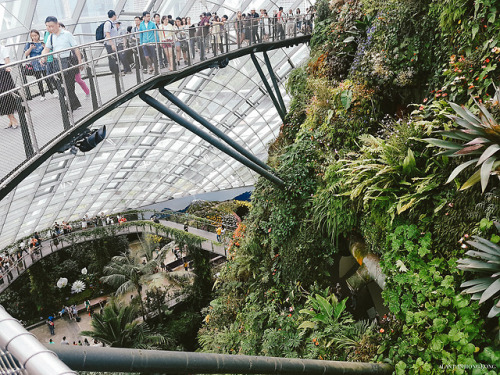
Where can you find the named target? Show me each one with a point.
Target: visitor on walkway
(135, 41)
(180, 41)
(290, 23)
(280, 23)
(167, 40)
(64, 341)
(51, 325)
(33, 49)
(51, 341)
(61, 39)
(7, 101)
(147, 38)
(121, 44)
(219, 232)
(255, 26)
(192, 37)
(110, 31)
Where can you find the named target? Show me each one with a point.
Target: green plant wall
(353, 154)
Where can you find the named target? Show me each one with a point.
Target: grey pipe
(27, 350)
(219, 133)
(165, 362)
(210, 139)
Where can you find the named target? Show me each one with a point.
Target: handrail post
(63, 95)
(91, 78)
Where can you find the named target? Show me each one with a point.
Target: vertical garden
(391, 144)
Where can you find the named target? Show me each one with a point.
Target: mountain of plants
(391, 145)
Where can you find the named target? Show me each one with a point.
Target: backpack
(99, 32)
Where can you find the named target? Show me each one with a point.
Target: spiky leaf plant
(479, 137)
(485, 259)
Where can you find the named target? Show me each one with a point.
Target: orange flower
(382, 330)
(487, 60)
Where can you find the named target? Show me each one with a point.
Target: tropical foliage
(480, 137)
(117, 326)
(359, 175)
(485, 259)
(127, 273)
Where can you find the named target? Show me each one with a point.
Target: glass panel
(98, 8)
(13, 14)
(62, 9)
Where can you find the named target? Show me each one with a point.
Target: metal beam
(165, 362)
(210, 139)
(219, 133)
(268, 87)
(275, 82)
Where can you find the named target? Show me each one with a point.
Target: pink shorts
(168, 44)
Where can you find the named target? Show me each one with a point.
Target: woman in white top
(217, 25)
(7, 101)
(167, 40)
(290, 23)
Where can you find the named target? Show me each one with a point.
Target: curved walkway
(208, 243)
(48, 126)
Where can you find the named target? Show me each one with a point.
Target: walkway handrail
(27, 350)
(168, 362)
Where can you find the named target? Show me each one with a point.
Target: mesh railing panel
(9, 366)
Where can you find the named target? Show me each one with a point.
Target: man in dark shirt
(255, 26)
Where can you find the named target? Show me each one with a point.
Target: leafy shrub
(485, 259)
(480, 136)
(439, 326)
(396, 170)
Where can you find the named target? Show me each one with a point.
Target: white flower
(84, 271)
(78, 286)
(62, 282)
(401, 266)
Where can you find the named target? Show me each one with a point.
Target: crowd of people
(179, 38)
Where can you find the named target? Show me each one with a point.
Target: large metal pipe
(27, 350)
(275, 81)
(210, 139)
(268, 87)
(219, 133)
(165, 362)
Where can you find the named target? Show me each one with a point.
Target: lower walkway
(52, 245)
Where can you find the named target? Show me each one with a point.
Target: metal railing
(144, 56)
(22, 353)
(168, 362)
